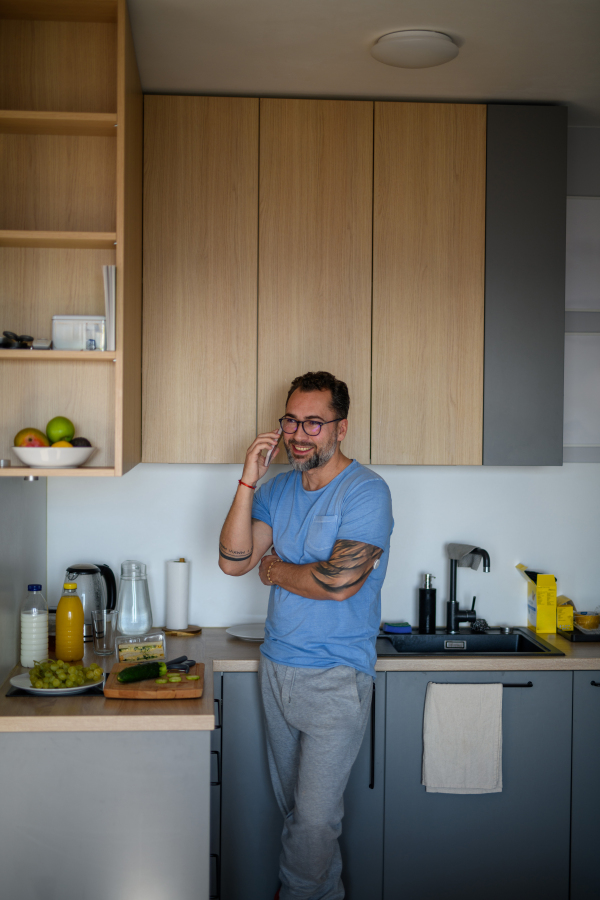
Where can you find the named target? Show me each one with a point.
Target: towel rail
(521, 685)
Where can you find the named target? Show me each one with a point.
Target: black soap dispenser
(427, 607)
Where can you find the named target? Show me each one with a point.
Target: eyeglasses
(310, 426)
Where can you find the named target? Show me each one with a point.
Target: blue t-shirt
(355, 506)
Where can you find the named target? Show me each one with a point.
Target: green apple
(31, 437)
(60, 429)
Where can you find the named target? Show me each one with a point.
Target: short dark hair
(324, 381)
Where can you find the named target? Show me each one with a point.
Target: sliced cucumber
(174, 678)
(161, 681)
(192, 677)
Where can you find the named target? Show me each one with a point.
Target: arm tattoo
(350, 564)
(234, 555)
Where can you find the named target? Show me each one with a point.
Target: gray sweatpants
(315, 721)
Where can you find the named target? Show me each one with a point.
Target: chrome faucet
(455, 615)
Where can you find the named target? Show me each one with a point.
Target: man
(329, 523)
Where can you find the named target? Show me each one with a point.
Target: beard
(316, 459)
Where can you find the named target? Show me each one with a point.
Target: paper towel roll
(178, 593)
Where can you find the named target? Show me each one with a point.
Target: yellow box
(564, 613)
(541, 601)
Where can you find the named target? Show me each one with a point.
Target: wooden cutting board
(149, 690)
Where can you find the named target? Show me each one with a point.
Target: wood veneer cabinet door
(428, 283)
(200, 279)
(315, 254)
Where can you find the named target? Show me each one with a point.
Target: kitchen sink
(521, 642)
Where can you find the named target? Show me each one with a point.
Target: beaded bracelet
(269, 572)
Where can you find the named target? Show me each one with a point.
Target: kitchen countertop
(222, 653)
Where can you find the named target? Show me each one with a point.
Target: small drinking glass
(104, 625)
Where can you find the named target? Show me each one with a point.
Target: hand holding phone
(272, 450)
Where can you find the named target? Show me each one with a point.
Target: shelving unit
(55, 355)
(70, 202)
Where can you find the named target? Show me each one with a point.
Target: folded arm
(337, 578)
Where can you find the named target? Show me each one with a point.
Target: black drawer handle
(218, 755)
(218, 713)
(372, 749)
(594, 684)
(529, 684)
(216, 896)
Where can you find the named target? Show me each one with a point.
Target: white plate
(53, 457)
(254, 631)
(23, 682)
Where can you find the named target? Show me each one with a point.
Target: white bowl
(53, 457)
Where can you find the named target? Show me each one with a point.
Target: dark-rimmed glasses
(311, 427)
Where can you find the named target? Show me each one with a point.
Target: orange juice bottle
(69, 625)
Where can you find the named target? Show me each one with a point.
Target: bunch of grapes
(54, 673)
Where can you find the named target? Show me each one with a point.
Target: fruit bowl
(53, 457)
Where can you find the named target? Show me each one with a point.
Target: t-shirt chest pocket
(321, 536)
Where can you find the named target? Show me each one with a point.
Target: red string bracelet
(246, 485)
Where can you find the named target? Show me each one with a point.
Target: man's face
(311, 451)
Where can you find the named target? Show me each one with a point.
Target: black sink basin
(520, 643)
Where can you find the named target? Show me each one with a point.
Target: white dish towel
(462, 738)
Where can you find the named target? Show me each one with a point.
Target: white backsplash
(545, 517)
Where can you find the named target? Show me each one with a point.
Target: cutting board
(149, 690)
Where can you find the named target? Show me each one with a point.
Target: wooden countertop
(222, 653)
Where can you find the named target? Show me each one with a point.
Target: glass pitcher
(134, 611)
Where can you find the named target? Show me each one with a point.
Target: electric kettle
(96, 588)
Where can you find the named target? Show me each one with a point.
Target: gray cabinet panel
(362, 828)
(524, 285)
(511, 844)
(250, 820)
(585, 824)
(104, 816)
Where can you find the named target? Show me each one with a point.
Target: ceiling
(533, 51)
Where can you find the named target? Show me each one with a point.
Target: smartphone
(273, 449)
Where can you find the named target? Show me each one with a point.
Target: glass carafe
(134, 610)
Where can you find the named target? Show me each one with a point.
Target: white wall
(545, 517)
(22, 557)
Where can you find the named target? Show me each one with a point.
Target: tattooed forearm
(234, 555)
(350, 564)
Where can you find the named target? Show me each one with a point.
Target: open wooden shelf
(82, 240)
(74, 123)
(71, 183)
(86, 356)
(60, 10)
(25, 471)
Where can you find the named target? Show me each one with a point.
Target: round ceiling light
(414, 49)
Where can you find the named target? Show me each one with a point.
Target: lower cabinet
(513, 844)
(251, 823)
(585, 823)
(401, 843)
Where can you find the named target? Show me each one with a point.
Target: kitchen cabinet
(514, 843)
(428, 283)
(414, 249)
(101, 815)
(200, 278)
(314, 289)
(251, 823)
(585, 828)
(525, 285)
(71, 189)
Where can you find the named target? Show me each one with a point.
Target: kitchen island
(106, 799)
